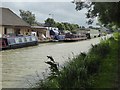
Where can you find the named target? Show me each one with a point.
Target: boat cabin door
(2, 43)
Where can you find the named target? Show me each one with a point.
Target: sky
(60, 11)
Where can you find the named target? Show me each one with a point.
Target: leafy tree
(50, 22)
(60, 26)
(75, 26)
(67, 26)
(107, 12)
(71, 26)
(27, 16)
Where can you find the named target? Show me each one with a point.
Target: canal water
(21, 67)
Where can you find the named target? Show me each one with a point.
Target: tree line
(62, 26)
(30, 18)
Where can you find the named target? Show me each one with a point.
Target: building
(82, 31)
(11, 24)
(41, 32)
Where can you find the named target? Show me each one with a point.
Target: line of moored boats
(24, 41)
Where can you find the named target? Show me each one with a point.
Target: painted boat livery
(17, 42)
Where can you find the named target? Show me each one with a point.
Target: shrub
(101, 49)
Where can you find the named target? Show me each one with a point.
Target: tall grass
(97, 68)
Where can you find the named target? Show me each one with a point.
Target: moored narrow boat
(17, 42)
(74, 37)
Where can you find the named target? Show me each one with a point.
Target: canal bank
(20, 65)
(96, 69)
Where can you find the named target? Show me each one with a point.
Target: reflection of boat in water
(74, 37)
(17, 42)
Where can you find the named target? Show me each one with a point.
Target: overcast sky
(62, 11)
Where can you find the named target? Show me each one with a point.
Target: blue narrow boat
(17, 42)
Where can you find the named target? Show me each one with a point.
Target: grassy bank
(96, 69)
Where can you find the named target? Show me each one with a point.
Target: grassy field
(96, 69)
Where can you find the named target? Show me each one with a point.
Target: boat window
(17, 40)
(20, 40)
(11, 41)
(23, 40)
(33, 38)
(28, 39)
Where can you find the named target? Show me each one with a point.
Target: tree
(67, 26)
(50, 22)
(75, 28)
(27, 16)
(60, 26)
(107, 12)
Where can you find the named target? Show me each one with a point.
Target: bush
(92, 65)
(101, 49)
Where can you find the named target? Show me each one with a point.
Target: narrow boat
(74, 37)
(17, 42)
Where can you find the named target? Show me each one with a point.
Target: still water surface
(19, 66)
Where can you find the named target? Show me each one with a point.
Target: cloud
(62, 11)
(36, 1)
(20, 0)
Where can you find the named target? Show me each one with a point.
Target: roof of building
(40, 24)
(8, 17)
(38, 27)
